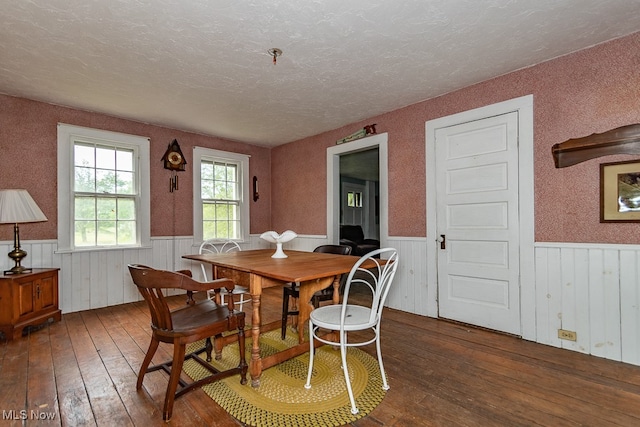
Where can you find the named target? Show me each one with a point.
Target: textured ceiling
(203, 66)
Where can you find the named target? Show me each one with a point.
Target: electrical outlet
(567, 335)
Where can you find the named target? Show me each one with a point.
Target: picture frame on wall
(620, 191)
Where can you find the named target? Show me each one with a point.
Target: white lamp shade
(17, 206)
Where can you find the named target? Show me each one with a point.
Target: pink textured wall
(589, 91)
(576, 95)
(28, 141)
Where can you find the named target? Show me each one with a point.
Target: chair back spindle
(376, 279)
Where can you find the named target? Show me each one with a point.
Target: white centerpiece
(278, 239)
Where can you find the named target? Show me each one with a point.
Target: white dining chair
(376, 280)
(217, 246)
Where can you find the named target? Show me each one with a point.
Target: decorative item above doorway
(361, 133)
(620, 191)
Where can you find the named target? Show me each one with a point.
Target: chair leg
(307, 385)
(285, 312)
(209, 349)
(153, 346)
(218, 346)
(176, 370)
(345, 369)
(190, 300)
(243, 355)
(385, 385)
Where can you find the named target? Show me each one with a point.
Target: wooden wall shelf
(622, 140)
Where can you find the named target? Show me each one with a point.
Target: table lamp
(16, 207)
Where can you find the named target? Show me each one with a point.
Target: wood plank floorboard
(84, 370)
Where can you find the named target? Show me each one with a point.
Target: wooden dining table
(257, 270)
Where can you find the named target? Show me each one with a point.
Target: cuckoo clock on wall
(174, 160)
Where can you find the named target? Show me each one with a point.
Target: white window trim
(198, 154)
(66, 136)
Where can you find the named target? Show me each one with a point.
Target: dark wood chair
(293, 292)
(194, 322)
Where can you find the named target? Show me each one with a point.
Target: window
(221, 210)
(354, 199)
(103, 191)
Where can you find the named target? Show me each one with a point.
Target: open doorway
(350, 170)
(360, 191)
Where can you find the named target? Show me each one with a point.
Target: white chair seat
(356, 319)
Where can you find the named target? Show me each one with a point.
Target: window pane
(85, 208)
(208, 230)
(235, 231)
(222, 211)
(124, 183)
(126, 232)
(209, 212)
(231, 191)
(85, 180)
(105, 181)
(222, 230)
(126, 209)
(220, 173)
(207, 190)
(220, 190)
(106, 209)
(231, 173)
(106, 234)
(85, 233)
(105, 158)
(124, 160)
(206, 170)
(84, 155)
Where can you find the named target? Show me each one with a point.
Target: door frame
(333, 183)
(524, 106)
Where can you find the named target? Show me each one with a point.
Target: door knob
(442, 239)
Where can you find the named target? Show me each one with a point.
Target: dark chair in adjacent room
(293, 292)
(353, 236)
(185, 325)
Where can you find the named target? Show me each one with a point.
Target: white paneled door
(477, 222)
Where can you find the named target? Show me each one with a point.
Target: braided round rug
(282, 400)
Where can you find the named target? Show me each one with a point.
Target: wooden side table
(28, 299)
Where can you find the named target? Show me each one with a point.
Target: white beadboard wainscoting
(590, 289)
(94, 279)
(593, 290)
(100, 278)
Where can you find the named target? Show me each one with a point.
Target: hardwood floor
(82, 372)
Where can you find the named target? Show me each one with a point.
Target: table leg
(336, 289)
(307, 289)
(255, 364)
